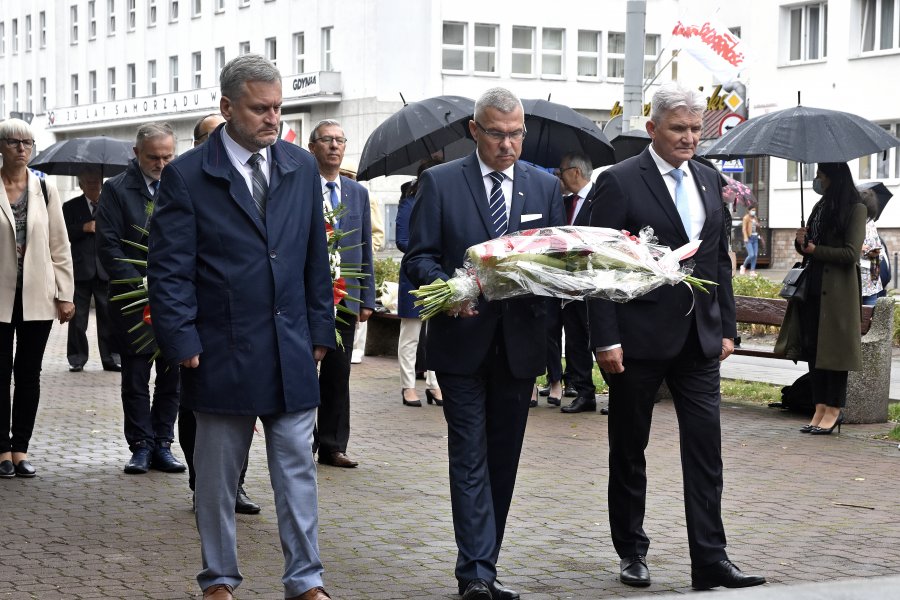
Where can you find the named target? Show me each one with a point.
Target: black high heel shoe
(409, 402)
(431, 398)
(807, 428)
(837, 423)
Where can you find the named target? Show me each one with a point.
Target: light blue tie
(332, 187)
(497, 203)
(681, 201)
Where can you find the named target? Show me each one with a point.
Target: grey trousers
(221, 447)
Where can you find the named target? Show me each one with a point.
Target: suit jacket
(584, 214)
(84, 245)
(252, 298)
(406, 308)
(47, 265)
(449, 216)
(126, 203)
(357, 245)
(630, 196)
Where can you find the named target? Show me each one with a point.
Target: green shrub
(757, 287)
(386, 269)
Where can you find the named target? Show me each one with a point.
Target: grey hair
(15, 128)
(870, 201)
(673, 95)
(248, 67)
(581, 162)
(323, 123)
(152, 130)
(497, 98)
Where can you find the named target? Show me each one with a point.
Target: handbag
(793, 287)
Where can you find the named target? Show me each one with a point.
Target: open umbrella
(882, 194)
(555, 129)
(414, 133)
(735, 191)
(630, 143)
(73, 156)
(806, 135)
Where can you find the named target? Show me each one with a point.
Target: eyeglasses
(327, 139)
(561, 171)
(13, 142)
(499, 136)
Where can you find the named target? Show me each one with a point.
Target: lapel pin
(703, 187)
(521, 194)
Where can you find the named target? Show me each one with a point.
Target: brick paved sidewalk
(797, 508)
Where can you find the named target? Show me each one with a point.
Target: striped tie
(260, 186)
(497, 204)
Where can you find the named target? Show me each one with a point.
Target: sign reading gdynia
(304, 85)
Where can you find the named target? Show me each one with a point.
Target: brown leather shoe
(316, 593)
(336, 459)
(219, 591)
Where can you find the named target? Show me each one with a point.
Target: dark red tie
(571, 202)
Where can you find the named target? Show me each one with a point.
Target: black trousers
(554, 341)
(333, 420)
(77, 342)
(148, 422)
(24, 362)
(579, 358)
(187, 437)
(694, 383)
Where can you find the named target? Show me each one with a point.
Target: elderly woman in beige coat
(36, 286)
(824, 329)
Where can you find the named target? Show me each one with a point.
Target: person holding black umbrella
(830, 246)
(870, 257)
(39, 287)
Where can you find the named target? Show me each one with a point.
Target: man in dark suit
(670, 334)
(128, 201)
(90, 277)
(575, 171)
(487, 357)
(241, 295)
(349, 203)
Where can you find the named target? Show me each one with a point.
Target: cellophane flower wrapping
(570, 263)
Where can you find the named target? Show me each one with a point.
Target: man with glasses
(486, 358)
(349, 202)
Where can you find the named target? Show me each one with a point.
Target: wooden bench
(868, 390)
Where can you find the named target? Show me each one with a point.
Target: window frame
(243, 48)
(802, 31)
(197, 70)
(462, 49)
(151, 78)
(29, 96)
(173, 73)
(493, 51)
(15, 96)
(196, 9)
(270, 49)
(92, 19)
(596, 56)
(327, 57)
(92, 87)
(111, 17)
(522, 51)
(73, 24)
(561, 53)
(152, 13)
(219, 60)
(42, 90)
(173, 11)
(131, 15)
(14, 36)
(131, 80)
(877, 28)
(111, 84)
(299, 56)
(73, 89)
(42, 32)
(28, 38)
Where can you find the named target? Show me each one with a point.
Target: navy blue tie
(497, 204)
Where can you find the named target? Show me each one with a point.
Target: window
(2, 43)
(2, 99)
(243, 48)
(130, 80)
(196, 70)
(552, 48)
(879, 166)
(111, 84)
(651, 53)
(327, 64)
(29, 104)
(28, 34)
(73, 83)
(196, 8)
(807, 26)
(92, 19)
(110, 17)
(299, 53)
(589, 54)
(454, 47)
(220, 6)
(15, 36)
(43, 92)
(615, 55)
(151, 77)
(151, 13)
(272, 50)
(15, 97)
(173, 11)
(173, 73)
(879, 25)
(809, 171)
(523, 50)
(243, 3)
(220, 61)
(42, 32)
(73, 24)
(132, 15)
(92, 87)
(486, 48)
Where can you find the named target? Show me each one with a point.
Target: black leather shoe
(722, 573)
(551, 401)
(581, 404)
(140, 461)
(112, 367)
(164, 460)
(477, 589)
(243, 504)
(544, 390)
(24, 469)
(634, 571)
(76, 368)
(570, 392)
(7, 469)
(605, 410)
(501, 592)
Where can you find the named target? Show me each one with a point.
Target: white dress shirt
(240, 157)
(506, 185)
(689, 183)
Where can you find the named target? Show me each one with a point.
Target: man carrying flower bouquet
(486, 359)
(672, 333)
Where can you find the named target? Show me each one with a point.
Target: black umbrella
(414, 133)
(882, 194)
(806, 135)
(555, 129)
(72, 157)
(630, 143)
